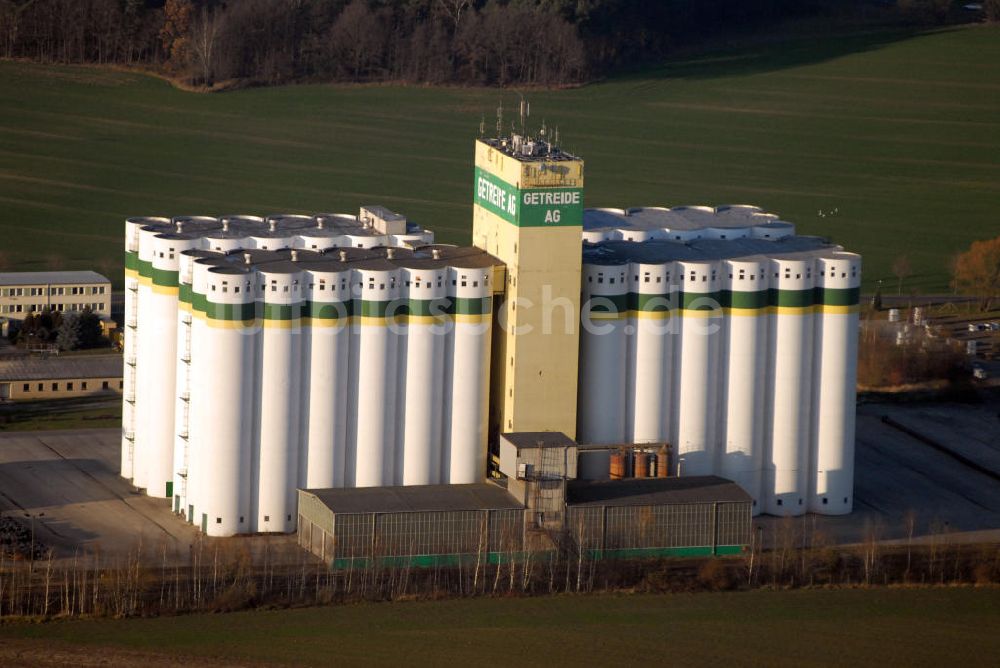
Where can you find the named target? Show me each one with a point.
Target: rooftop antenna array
(500, 120)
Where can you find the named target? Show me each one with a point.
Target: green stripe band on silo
(471, 306)
(164, 277)
(145, 268)
(700, 301)
(790, 298)
(281, 311)
(744, 300)
(131, 260)
(609, 303)
(654, 303)
(327, 310)
(230, 312)
(199, 302)
(427, 307)
(185, 293)
(838, 296)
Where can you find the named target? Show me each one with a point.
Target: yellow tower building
(528, 212)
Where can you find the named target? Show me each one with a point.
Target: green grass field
(88, 413)
(883, 627)
(898, 133)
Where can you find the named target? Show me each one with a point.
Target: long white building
(267, 354)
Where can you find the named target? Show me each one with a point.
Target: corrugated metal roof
(77, 366)
(658, 251)
(477, 496)
(50, 277)
(653, 491)
(539, 439)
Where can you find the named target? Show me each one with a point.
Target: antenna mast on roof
(500, 120)
(482, 126)
(525, 112)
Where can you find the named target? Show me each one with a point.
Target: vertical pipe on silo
(471, 296)
(603, 354)
(146, 353)
(130, 423)
(184, 368)
(161, 365)
(838, 281)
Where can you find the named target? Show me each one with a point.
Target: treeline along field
(887, 142)
(431, 41)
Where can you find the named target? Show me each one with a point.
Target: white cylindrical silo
(743, 375)
(772, 229)
(187, 365)
(159, 372)
(130, 423)
(224, 393)
(189, 463)
(650, 358)
(364, 238)
(278, 431)
(602, 394)
(464, 459)
(786, 464)
(233, 233)
(831, 486)
(718, 232)
(374, 351)
(146, 356)
(326, 344)
(422, 365)
(697, 352)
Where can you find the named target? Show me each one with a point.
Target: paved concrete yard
(897, 474)
(67, 484)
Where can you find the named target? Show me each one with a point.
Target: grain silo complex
(268, 355)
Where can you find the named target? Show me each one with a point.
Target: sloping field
(878, 627)
(886, 142)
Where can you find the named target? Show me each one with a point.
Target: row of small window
(170, 254)
(343, 285)
(42, 292)
(825, 501)
(742, 276)
(267, 518)
(70, 386)
(38, 308)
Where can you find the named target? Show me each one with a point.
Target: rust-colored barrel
(662, 463)
(641, 465)
(617, 465)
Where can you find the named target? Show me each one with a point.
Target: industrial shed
(419, 525)
(658, 517)
(428, 525)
